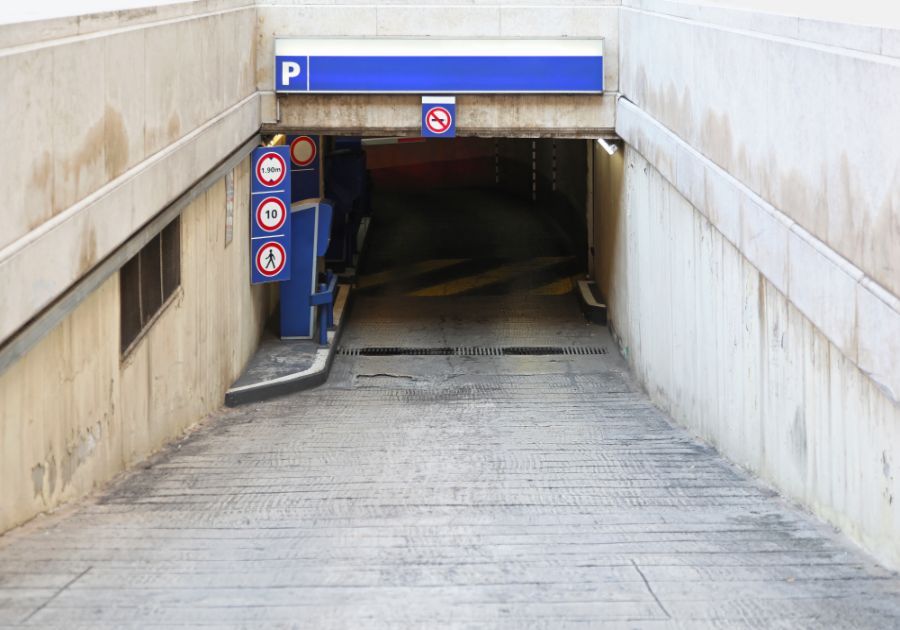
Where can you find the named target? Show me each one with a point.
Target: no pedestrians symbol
(270, 259)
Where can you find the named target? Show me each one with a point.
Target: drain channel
(471, 351)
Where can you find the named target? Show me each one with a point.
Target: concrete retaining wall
(729, 356)
(73, 412)
(748, 247)
(107, 119)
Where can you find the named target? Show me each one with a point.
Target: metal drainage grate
(471, 351)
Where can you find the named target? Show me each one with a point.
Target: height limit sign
(439, 116)
(270, 221)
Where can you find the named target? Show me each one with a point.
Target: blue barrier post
(310, 233)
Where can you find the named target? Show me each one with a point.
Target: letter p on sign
(289, 70)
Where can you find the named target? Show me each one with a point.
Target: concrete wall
(108, 118)
(863, 12)
(478, 115)
(749, 242)
(73, 412)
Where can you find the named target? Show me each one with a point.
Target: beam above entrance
(486, 115)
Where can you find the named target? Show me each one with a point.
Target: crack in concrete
(650, 589)
(56, 594)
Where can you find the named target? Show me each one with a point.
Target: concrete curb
(594, 310)
(311, 377)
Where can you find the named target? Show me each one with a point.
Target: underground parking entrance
(472, 245)
(452, 246)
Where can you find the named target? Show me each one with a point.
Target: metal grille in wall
(147, 281)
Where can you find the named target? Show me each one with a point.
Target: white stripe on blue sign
(439, 65)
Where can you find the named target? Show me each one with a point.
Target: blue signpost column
(297, 309)
(270, 227)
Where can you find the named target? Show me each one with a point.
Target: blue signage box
(346, 65)
(439, 116)
(270, 206)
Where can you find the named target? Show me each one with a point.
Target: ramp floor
(444, 492)
(479, 458)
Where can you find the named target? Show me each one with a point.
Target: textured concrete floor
(433, 492)
(445, 492)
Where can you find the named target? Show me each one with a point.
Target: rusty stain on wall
(116, 143)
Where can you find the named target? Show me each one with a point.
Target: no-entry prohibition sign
(438, 116)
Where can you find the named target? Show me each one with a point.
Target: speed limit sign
(270, 214)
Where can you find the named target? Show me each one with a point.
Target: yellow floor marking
(391, 275)
(557, 287)
(499, 274)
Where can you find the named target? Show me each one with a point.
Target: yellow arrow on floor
(492, 276)
(407, 271)
(557, 287)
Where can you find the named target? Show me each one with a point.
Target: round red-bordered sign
(438, 120)
(270, 173)
(270, 259)
(303, 150)
(271, 214)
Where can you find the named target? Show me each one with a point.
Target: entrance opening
(472, 216)
(470, 243)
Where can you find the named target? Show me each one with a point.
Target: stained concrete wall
(729, 356)
(107, 119)
(477, 115)
(748, 246)
(74, 412)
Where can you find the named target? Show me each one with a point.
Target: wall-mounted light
(607, 146)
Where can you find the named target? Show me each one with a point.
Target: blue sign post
(439, 116)
(310, 226)
(270, 226)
